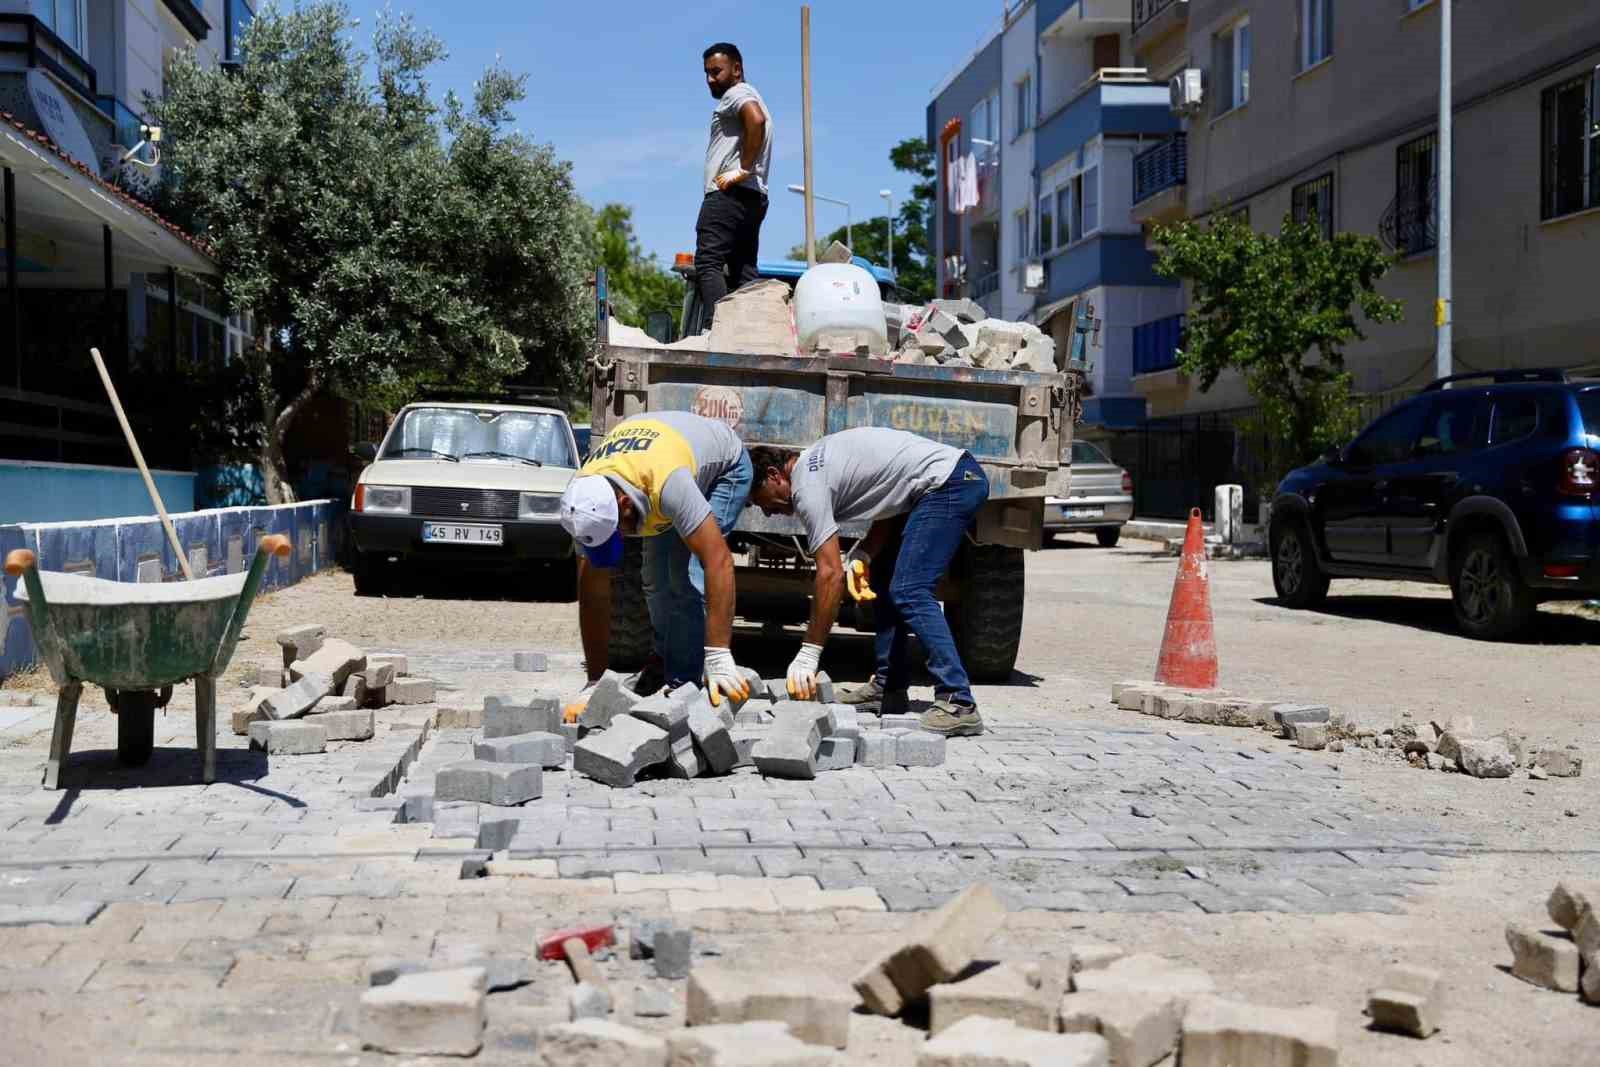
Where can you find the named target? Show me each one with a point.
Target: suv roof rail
(509, 395)
(1502, 377)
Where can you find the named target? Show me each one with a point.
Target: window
(1515, 417)
(1047, 223)
(984, 136)
(1570, 140)
(240, 15)
(65, 18)
(1316, 32)
(1085, 453)
(1024, 108)
(1230, 51)
(466, 431)
(1313, 203)
(1454, 425)
(1024, 234)
(1416, 195)
(1065, 231)
(1090, 199)
(1390, 439)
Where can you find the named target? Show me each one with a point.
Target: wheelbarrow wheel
(136, 726)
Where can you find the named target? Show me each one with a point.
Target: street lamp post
(888, 222)
(849, 232)
(1444, 355)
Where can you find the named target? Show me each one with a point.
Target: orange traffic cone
(1189, 649)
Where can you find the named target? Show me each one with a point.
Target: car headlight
(538, 505)
(384, 499)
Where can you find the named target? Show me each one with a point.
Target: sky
(617, 88)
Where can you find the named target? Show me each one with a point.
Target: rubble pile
(324, 690)
(1566, 959)
(1454, 745)
(959, 333)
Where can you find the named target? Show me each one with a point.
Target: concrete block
(916, 748)
(876, 749)
(298, 642)
(598, 1043)
(787, 712)
(530, 662)
(1409, 1001)
(1570, 899)
(1559, 762)
(337, 659)
(745, 739)
(816, 1005)
(455, 819)
(251, 710)
(757, 1044)
(665, 711)
(355, 688)
(825, 694)
(1311, 735)
(398, 661)
(346, 725)
(380, 677)
(713, 739)
(1010, 991)
(288, 738)
(588, 1001)
(683, 761)
(548, 750)
(615, 756)
(776, 689)
(1227, 1033)
(652, 1003)
(939, 947)
(609, 699)
(836, 754)
(440, 1013)
(496, 831)
(978, 1041)
(1286, 716)
(788, 750)
(1091, 956)
(1145, 974)
(1543, 959)
(459, 717)
(418, 798)
(1139, 1030)
(755, 712)
(846, 720)
(341, 703)
(1587, 935)
(1487, 758)
(673, 951)
(299, 698)
(410, 691)
(481, 782)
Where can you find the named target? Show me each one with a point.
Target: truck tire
(987, 622)
(632, 637)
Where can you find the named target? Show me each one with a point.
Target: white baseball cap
(589, 514)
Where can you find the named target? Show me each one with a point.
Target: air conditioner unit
(1033, 277)
(1188, 90)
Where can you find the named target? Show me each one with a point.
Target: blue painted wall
(1110, 259)
(1050, 10)
(131, 550)
(65, 492)
(1104, 109)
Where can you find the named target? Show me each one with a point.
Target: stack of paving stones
(960, 333)
(1454, 745)
(1565, 959)
(325, 690)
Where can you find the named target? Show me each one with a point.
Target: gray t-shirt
(727, 131)
(716, 449)
(863, 475)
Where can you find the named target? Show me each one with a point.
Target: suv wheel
(1297, 575)
(1491, 599)
(1108, 536)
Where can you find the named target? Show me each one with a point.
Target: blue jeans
(929, 541)
(675, 583)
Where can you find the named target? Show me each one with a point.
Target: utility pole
(1442, 313)
(888, 199)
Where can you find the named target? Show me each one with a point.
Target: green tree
(386, 240)
(638, 284)
(1279, 309)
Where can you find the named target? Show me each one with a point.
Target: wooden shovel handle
(19, 560)
(582, 964)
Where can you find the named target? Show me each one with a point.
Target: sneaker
(952, 720)
(872, 699)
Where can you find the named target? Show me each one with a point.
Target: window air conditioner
(1188, 91)
(1033, 278)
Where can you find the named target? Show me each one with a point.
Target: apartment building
(88, 262)
(1327, 110)
(1035, 136)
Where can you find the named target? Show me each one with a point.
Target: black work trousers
(727, 239)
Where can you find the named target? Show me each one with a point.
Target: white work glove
(802, 680)
(858, 574)
(723, 678)
(729, 178)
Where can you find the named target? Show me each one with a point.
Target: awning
(1041, 316)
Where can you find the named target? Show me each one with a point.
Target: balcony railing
(1155, 344)
(986, 284)
(1145, 10)
(1410, 226)
(1165, 166)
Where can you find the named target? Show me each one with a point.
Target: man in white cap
(679, 481)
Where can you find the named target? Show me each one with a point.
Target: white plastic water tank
(839, 298)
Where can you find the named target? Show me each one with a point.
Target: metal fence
(1160, 167)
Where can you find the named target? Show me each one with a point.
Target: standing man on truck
(921, 497)
(738, 158)
(679, 481)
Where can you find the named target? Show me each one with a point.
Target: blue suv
(1490, 488)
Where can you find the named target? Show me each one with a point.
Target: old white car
(465, 485)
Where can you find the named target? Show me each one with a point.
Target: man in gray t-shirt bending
(920, 497)
(738, 157)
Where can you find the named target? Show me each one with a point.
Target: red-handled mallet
(575, 946)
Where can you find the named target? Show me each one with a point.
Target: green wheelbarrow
(136, 641)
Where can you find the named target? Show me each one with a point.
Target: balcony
(31, 39)
(1112, 102)
(1160, 181)
(1156, 20)
(1155, 345)
(191, 15)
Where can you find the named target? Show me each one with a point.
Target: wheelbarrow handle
(19, 560)
(274, 545)
(267, 547)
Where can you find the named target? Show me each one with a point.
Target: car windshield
(481, 435)
(1084, 452)
(1589, 404)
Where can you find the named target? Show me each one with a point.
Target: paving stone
(651, 1003)
(1311, 735)
(455, 819)
(713, 739)
(355, 687)
(1091, 956)
(1011, 991)
(336, 660)
(251, 710)
(876, 749)
(787, 712)
(288, 738)
(937, 948)
(616, 755)
(1570, 899)
(1286, 716)
(343, 725)
(788, 749)
(530, 662)
(411, 691)
(439, 1013)
(297, 699)
(982, 1042)
(916, 748)
(400, 663)
(673, 951)
(511, 716)
(753, 1044)
(609, 700)
(481, 782)
(588, 1001)
(1227, 1033)
(1143, 973)
(74, 913)
(1543, 959)
(1409, 1001)
(548, 750)
(1487, 758)
(1559, 762)
(1140, 1030)
(338, 703)
(299, 642)
(598, 1043)
(496, 832)
(380, 677)
(1587, 935)
(745, 739)
(836, 754)
(816, 1005)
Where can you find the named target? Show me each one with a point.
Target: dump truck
(1018, 425)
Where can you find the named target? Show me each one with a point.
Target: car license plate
(455, 533)
(1082, 513)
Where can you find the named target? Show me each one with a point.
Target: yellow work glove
(802, 680)
(723, 677)
(857, 576)
(571, 712)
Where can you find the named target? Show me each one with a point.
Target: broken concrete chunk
(298, 642)
(548, 750)
(1141, 973)
(816, 1005)
(482, 782)
(337, 659)
(615, 756)
(1091, 956)
(1010, 991)
(609, 699)
(1141, 1030)
(1227, 1033)
(672, 948)
(598, 1042)
(981, 1042)
(755, 1044)
(1559, 762)
(439, 1013)
(1311, 735)
(1409, 1000)
(288, 738)
(962, 309)
(1570, 899)
(1286, 716)
(939, 947)
(299, 698)
(1488, 758)
(251, 710)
